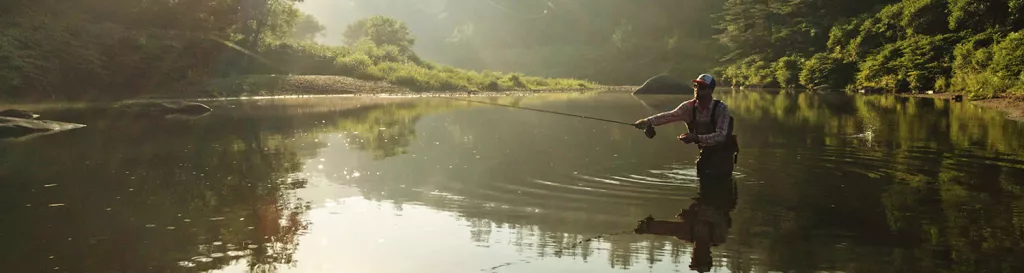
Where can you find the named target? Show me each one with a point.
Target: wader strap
(693, 116)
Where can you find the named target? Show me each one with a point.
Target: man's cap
(705, 80)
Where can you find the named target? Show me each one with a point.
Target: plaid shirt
(684, 113)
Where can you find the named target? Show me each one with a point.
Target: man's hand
(688, 138)
(641, 124)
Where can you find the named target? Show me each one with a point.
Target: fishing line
(648, 131)
(544, 111)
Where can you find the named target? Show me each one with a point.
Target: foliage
(751, 71)
(126, 48)
(787, 71)
(381, 31)
(828, 71)
(912, 64)
(307, 28)
(989, 63)
(114, 49)
(368, 61)
(896, 46)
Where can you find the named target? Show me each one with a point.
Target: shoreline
(291, 86)
(279, 86)
(1010, 105)
(312, 86)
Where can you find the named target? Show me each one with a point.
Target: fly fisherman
(710, 127)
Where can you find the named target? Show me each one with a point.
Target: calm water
(825, 182)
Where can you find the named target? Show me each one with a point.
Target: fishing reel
(649, 131)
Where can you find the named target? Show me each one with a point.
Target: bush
(750, 71)
(883, 28)
(761, 74)
(925, 17)
(989, 64)
(914, 64)
(841, 36)
(370, 61)
(1008, 56)
(787, 71)
(827, 70)
(381, 31)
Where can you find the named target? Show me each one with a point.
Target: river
(824, 182)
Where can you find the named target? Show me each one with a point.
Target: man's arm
(721, 129)
(681, 113)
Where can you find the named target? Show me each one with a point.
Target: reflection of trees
(934, 192)
(799, 222)
(948, 202)
(821, 212)
(833, 202)
(385, 131)
(182, 189)
(142, 195)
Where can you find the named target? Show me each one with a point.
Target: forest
(81, 49)
(969, 46)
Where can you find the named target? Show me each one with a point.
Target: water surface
(825, 182)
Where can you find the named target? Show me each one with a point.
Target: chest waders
(715, 159)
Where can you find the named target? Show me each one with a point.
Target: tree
(380, 30)
(307, 28)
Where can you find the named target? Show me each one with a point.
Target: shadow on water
(829, 182)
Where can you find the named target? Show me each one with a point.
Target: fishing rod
(648, 131)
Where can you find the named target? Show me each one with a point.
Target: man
(709, 124)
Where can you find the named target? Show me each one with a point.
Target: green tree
(307, 28)
(380, 30)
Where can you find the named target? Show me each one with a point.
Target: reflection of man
(705, 223)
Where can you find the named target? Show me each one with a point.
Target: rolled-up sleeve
(681, 113)
(721, 129)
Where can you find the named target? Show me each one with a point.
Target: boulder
(872, 90)
(664, 84)
(19, 128)
(15, 113)
(166, 108)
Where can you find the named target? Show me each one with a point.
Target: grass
(387, 64)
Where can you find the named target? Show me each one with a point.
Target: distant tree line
(111, 49)
(123, 48)
(971, 46)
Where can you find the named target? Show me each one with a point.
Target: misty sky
(337, 14)
(553, 38)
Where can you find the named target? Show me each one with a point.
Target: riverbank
(327, 85)
(1012, 105)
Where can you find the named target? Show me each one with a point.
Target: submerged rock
(664, 84)
(165, 108)
(19, 128)
(15, 113)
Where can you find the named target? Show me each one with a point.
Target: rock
(172, 108)
(664, 84)
(15, 113)
(872, 90)
(19, 128)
